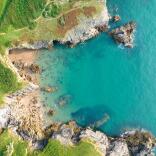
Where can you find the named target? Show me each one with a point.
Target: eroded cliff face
(88, 27)
(135, 142)
(77, 25)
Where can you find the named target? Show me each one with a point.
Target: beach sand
(24, 55)
(25, 62)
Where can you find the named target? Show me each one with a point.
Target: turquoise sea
(100, 77)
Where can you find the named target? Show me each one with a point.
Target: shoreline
(23, 112)
(55, 130)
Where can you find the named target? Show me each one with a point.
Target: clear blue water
(99, 77)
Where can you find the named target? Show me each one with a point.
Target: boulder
(49, 89)
(116, 18)
(64, 100)
(140, 142)
(118, 148)
(124, 34)
(99, 138)
(51, 112)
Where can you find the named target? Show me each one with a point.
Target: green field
(54, 148)
(13, 145)
(20, 13)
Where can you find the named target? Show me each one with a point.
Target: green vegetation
(52, 10)
(2, 5)
(7, 38)
(15, 146)
(54, 148)
(22, 21)
(8, 81)
(12, 145)
(20, 13)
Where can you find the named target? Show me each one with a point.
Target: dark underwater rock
(64, 100)
(89, 116)
(116, 18)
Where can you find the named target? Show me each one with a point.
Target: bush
(52, 10)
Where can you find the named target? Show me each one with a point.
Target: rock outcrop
(99, 138)
(135, 143)
(87, 28)
(140, 143)
(24, 111)
(118, 148)
(124, 34)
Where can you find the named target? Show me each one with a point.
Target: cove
(100, 77)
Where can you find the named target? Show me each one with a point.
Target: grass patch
(7, 38)
(52, 10)
(12, 145)
(20, 13)
(8, 82)
(2, 5)
(54, 148)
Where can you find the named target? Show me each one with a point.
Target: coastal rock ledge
(130, 143)
(25, 117)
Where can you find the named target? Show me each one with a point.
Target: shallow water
(99, 77)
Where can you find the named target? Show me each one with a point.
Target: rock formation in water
(124, 34)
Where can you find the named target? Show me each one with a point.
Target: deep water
(99, 77)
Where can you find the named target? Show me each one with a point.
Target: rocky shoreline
(24, 115)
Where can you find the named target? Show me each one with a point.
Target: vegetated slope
(15, 14)
(8, 81)
(20, 13)
(10, 144)
(54, 148)
(33, 20)
(2, 5)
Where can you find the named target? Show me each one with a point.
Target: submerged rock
(51, 112)
(35, 68)
(100, 122)
(49, 89)
(116, 18)
(64, 100)
(84, 116)
(124, 34)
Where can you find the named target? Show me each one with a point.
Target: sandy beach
(25, 62)
(24, 55)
